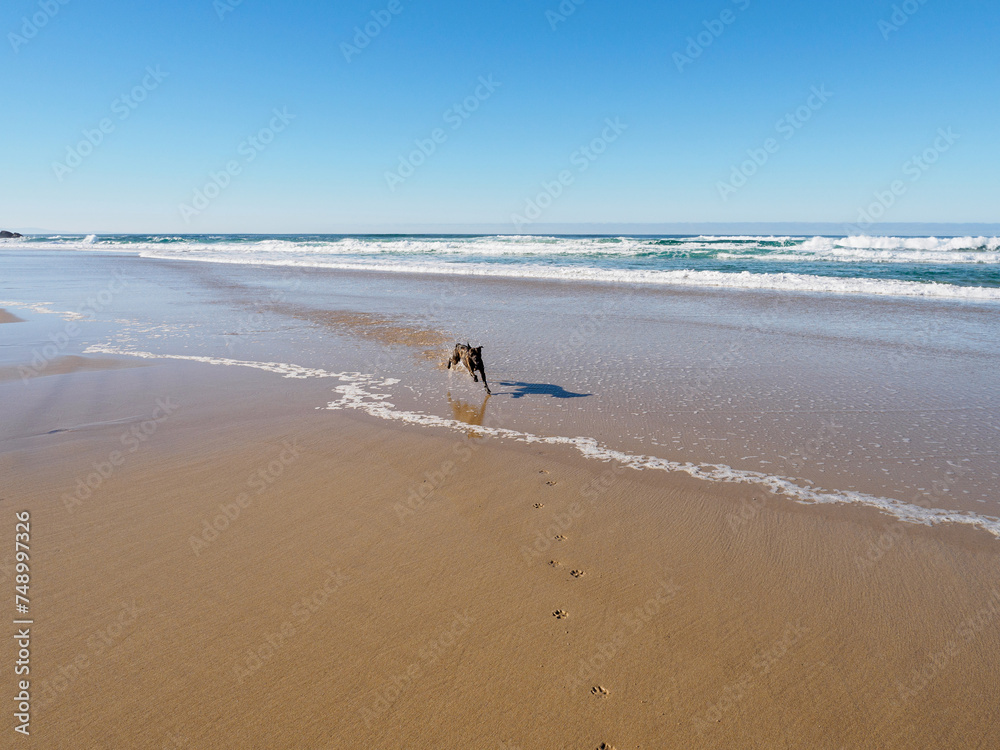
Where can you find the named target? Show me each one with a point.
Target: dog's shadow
(540, 389)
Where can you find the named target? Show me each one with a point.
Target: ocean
(963, 268)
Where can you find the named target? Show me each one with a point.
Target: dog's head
(476, 355)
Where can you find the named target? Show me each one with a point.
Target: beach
(264, 514)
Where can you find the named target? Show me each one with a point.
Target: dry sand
(384, 586)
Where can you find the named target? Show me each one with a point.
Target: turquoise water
(956, 267)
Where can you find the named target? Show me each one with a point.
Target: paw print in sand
(577, 573)
(599, 691)
(560, 614)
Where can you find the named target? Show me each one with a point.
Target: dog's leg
(468, 366)
(488, 391)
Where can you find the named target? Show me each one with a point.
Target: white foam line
(283, 369)
(43, 307)
(354, 395)
(740, 280)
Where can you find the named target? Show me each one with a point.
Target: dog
(472, 358)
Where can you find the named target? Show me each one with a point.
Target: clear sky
(891, 78)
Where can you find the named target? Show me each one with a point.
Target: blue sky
(557, 77)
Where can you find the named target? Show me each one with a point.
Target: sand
(6, 317)
(62, 365)
(339, 607)
(218, 561)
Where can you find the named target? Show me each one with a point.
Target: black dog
(472, 358)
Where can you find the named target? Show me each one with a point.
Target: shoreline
(786, 277)
(355, 396)
(702, 611)
(326, 577)
(385, 329)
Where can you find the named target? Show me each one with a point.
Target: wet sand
(219, 561)
(385, 586)
(62, 365)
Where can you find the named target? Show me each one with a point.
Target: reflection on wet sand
(465, 412)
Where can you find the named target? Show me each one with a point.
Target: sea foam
(366, 393)
(949, 268)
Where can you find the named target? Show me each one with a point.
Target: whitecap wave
(670, 261)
